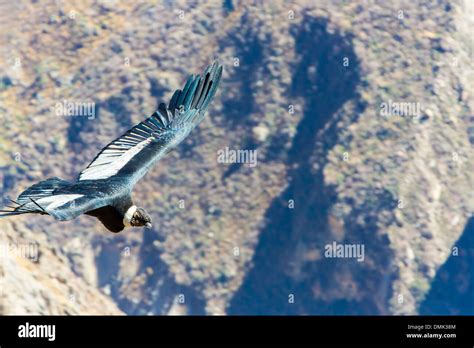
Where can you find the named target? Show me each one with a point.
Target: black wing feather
(131, 155)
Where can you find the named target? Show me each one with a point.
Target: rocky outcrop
(36, 278)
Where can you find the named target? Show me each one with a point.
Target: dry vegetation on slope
(347, 168)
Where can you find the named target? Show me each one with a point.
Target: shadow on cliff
(157, 290)
(452, 289)
(238, 101)
(250, 64)
(284, 280)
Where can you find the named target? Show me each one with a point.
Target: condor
(104, 188)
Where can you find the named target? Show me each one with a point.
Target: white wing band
(108, 164)
(52, 202)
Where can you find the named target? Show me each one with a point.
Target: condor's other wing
(130, 156)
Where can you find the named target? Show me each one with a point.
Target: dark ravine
(239, 103)
(453, 288)
(268, 284)
(161, 288)
(158, 292)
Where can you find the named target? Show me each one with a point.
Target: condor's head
(137, 217)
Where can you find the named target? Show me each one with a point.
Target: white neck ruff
(129, 215)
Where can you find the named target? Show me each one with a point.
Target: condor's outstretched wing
(130, 156)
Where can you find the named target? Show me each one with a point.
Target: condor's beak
(148, 225)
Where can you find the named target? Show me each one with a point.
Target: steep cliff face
(303, 85)
(413, 173)
(36, 277)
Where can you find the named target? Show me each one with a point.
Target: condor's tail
(30, 201)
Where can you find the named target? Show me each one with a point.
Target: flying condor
(103, 189)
